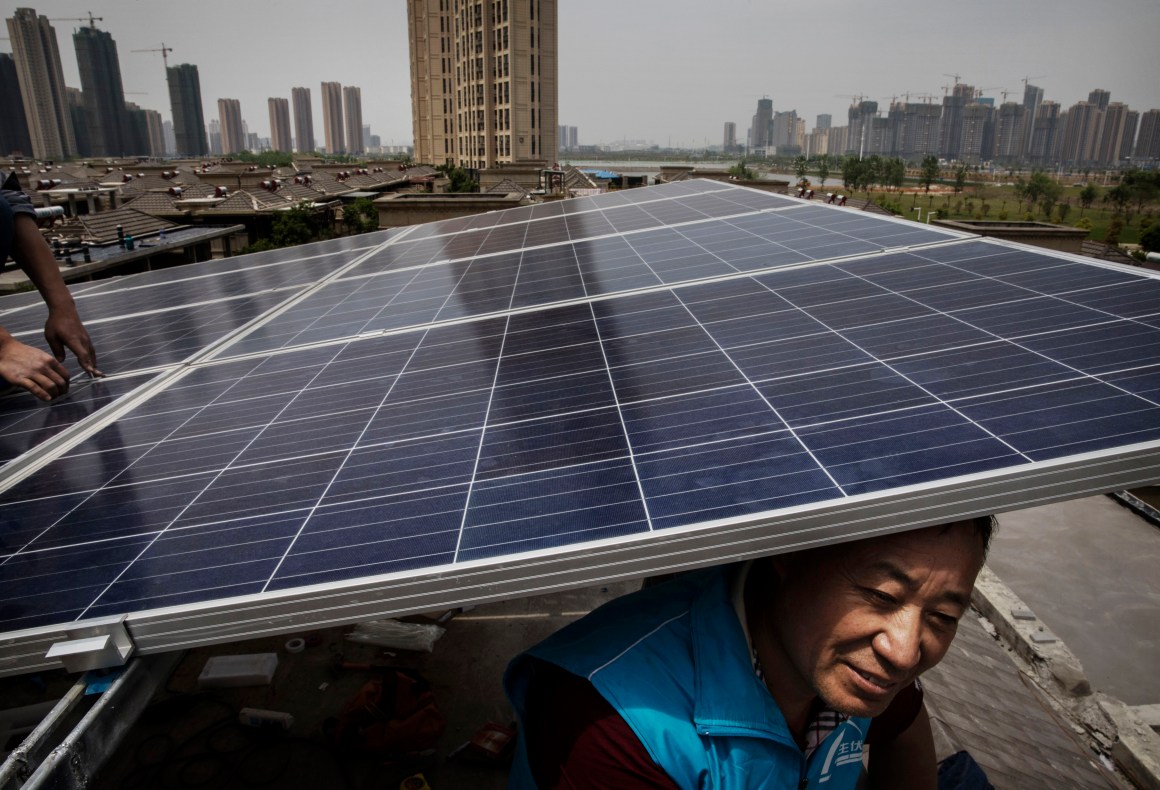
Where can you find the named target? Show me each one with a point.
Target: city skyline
(802, 59)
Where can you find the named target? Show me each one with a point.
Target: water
(653, 168)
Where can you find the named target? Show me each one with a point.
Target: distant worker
(22, 365)
(774, 673)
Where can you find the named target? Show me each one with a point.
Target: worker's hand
(65, 330)
(31, 369)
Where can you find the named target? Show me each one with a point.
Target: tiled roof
(1107, 252)
(102, 226)
(149, 183)
(507, 187)
(156, 203)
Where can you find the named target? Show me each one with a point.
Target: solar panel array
(551, 395)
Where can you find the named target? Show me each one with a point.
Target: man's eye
(879, 597)
(945, 620)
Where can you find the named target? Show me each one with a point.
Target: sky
(668, 71)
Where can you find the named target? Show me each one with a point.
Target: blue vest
(673, 661)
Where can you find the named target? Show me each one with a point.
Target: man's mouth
(879, 683)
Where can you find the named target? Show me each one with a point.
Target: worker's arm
(906, 762)
(63, 329)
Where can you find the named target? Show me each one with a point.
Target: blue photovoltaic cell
(25, 421)
(555, 375)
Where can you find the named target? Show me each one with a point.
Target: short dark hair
(984, 527)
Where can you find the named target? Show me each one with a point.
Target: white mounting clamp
(98, 644)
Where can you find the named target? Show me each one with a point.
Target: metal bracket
(98, 644)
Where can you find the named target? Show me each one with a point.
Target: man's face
(856, 623)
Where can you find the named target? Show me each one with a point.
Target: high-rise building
(1148, 142)
(214, 133)
(185, 103)
(280, 124)
(352, 119)
(79, 117)
(303, 119)
(1081, 132)
(136, 129)
(573, 138)
(1107, 148)
(332, 117)
(233, 135)
(1045, 134)
(14, 137)
(1128, 143)
(761, 128)
(104, 94)
(730, 140)
(918, 133)
(170, 138)
(1100, 98)
(1011, 132)
(784, 126)
(1032, 98)
(825, 120)
(42, 88)
(951, 123)
(483, 81)
(860, 139)
(156, 130)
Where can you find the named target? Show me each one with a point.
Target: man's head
(855, 623)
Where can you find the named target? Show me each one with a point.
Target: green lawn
(993, 201)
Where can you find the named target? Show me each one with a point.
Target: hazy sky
(671, 71)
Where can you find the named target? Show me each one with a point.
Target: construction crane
(957, 77)
(1028, 79)
(979, 91)
(92, 20)
(164, 50)
(855, 98)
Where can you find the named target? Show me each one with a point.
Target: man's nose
(899, 641)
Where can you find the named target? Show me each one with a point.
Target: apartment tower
(104, 95)
(332, 117)
(13, 125)
(303, 119)
(483, 81)
(280, 124)
(185, 103)
(42, 87)
(233, 136)
(352, 119)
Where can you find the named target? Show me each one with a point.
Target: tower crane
(957, 77)
(1029, 78)
(164, 50)
(92, 20)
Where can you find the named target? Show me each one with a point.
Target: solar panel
(522, 419)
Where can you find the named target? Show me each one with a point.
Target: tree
(296, 225)
(1143, 187)
(1150, 239)
(1119, 196)
(461, 180)
(823, 168)
(895, 172)
(800, 167)
(361, 216)
(1115, 228)
(929, 171)
(960, 178)
(740, 170)
(851, 171)
(1087, 196)
(1049, 196)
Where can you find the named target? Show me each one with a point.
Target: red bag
(395, 714)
